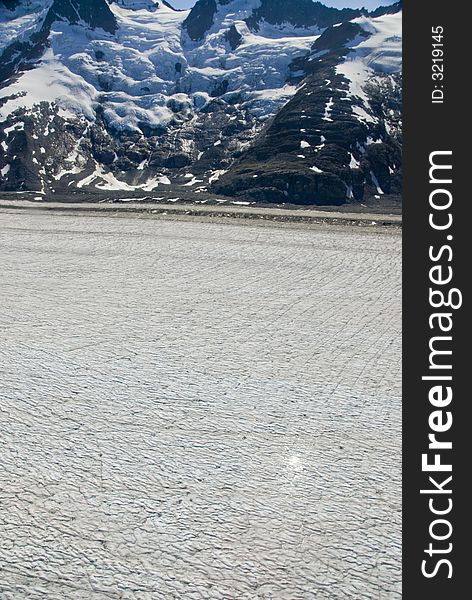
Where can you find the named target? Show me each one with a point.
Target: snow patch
(354, 164)
(375, 181)
(216, 175)
(328, 110)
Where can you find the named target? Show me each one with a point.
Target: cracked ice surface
(198, 411)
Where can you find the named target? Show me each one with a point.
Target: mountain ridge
(135, 104)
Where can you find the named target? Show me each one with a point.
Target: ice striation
(194, 411)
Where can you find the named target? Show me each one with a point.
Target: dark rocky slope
(309, 158)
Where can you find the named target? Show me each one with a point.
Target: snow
(215, 175)
(103, 180)
(6, 169)
(287, 29)
(153, 183)
(316, 169)
(51, 81)
(362, 114)
(137, 79)
(328, 110)
(322, 143)
(180, 412)
(77, 163)
(354, 164)
(16, 127)
(380, 52)
(358, 73)
(19, 24)
(193, 181)
(132, 75)
(370, 140)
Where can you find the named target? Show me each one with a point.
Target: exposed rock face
(300, 13)
(240, 97)
(200, 19)
(95, 13)
(388, 10)
(234, 37)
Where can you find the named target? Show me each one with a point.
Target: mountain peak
(387, 10)
(301, 13)
(95, 13)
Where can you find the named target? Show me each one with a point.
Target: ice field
(198, 411)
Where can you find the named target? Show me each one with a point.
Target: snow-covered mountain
(270, 100)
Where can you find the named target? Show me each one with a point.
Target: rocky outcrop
(301, 14)
(234, 37)
(200, 19)
(95, 13)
